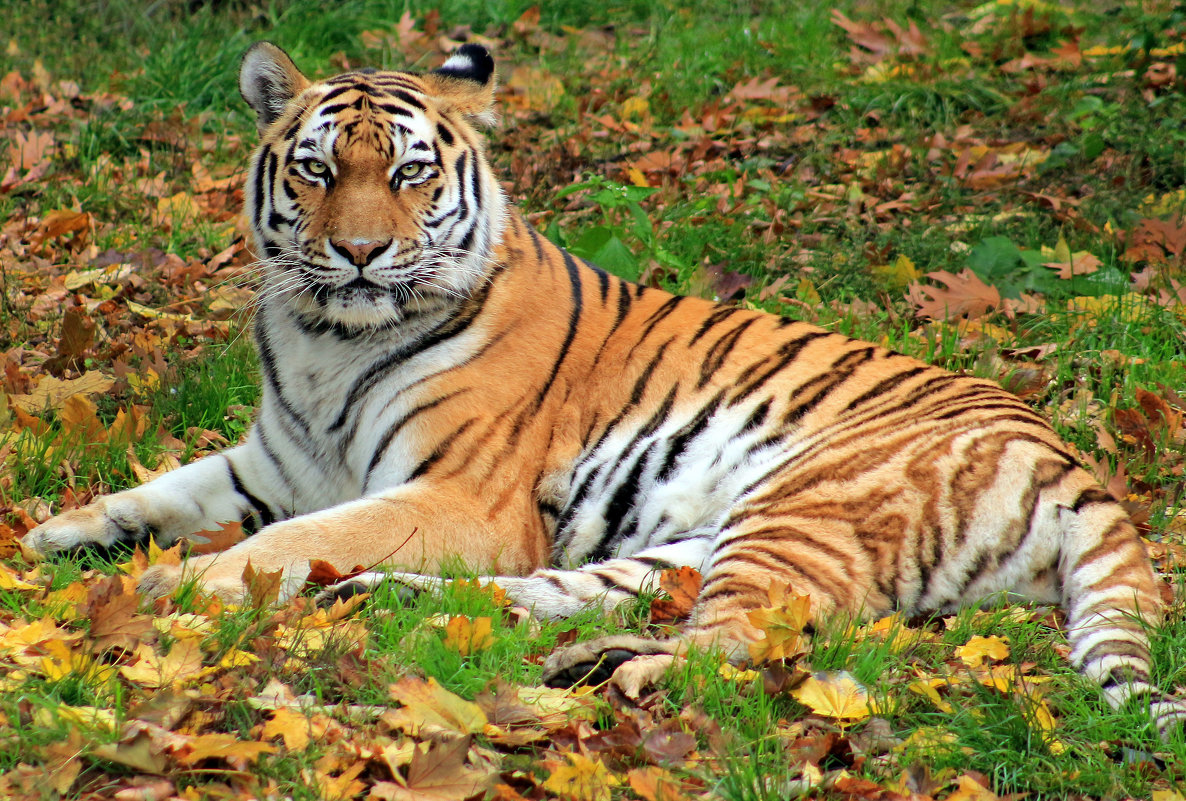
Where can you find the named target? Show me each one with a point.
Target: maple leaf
(965, 296)
(217, 745)
(582, 779)
(782, 622)
(263, 586)
(439, 772)
(977, 649)
(293, 727)
(429, 710)
(834, 695)
(468, 635)
(214, 540)
(182, 663)
(682, 585)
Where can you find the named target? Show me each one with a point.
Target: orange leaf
(683, 587)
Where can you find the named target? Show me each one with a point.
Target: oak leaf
(965, 296)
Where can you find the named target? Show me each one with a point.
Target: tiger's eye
(318, 169)
(411, 170)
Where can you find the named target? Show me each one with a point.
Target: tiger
(442, 384)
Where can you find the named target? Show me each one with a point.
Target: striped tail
(1112, 601)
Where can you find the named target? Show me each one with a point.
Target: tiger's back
(440, 381)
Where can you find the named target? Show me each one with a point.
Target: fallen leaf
(682, 585)
(467, 635)
(582, 779)
(431, 710)
(153, 670)
(834, 695)
(438, 772)
(977, 649)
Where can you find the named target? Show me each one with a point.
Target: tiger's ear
(465, 83)
(268, 80)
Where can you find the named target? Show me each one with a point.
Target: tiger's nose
(359, 252)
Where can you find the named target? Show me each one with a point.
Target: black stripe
(267, 360)
(884, 386)
(444, 133)
(679, 441)
(388, 435)
(441, 450)
(409, 99)
(450, 328)
(719, 352)
(574, 319)
(262, 511)
(1091, 496)
(787, 353)
(719, 314)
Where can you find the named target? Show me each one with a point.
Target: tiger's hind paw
(364, 583)
(628, 662)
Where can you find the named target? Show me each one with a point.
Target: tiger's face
(369, 196)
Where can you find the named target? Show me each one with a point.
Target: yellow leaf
(51, 393)
(582, 779)
(978, 648)
(468, 636)
(9, 580)
(971, 790)
(834, 695)
(637, 177)
(183, 662)
(730, 673)
(635, 107)
(782, 622)
(220, 746)
(930, 689)
(898, 275)
(293, 727)
(429, 709)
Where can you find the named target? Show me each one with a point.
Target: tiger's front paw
(103, 523)
(226, 576)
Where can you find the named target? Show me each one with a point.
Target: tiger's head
(369, 195)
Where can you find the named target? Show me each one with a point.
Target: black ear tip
(470, 61)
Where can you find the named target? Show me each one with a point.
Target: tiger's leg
(737, 582)
(552, 593)
(232, 485)
(421, 526)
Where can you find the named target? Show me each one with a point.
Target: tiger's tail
(1112, 601)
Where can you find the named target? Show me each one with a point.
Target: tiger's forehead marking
(389, 111)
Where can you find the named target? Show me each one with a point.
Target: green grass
(1108, 139)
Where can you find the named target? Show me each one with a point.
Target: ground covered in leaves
(997, 188)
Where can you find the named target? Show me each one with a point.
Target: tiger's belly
(648, 484)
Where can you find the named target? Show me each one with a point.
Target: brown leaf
(212, 541)
(263, 586)
(683, 587)
(111, 607)
(965, 296)
(655, 784)
(51, 392)
(437, 773)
